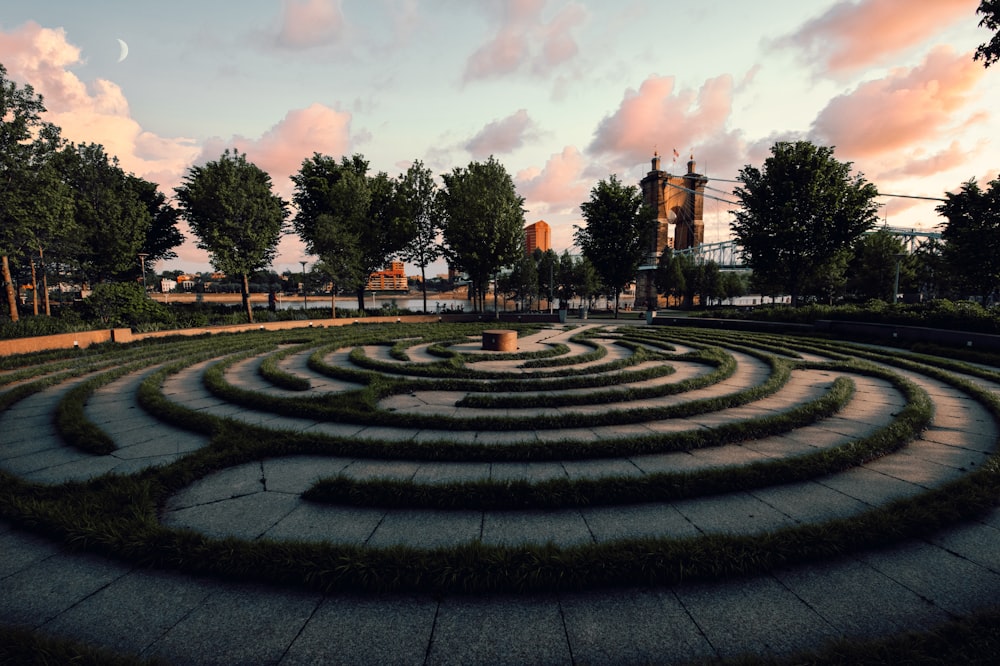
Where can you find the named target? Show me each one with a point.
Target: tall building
(391, 279)
(538, 236)
(679, 202)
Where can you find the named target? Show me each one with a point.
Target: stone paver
(190, 620)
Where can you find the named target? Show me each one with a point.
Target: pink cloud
(281, 150)
(658, 116)
(502, 136)
(851, 35)
(525, 39)
(308, 23)
(558, 187)
(97, 112)
(909, 107)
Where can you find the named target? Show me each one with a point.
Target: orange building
(538, 236)
(391, 279)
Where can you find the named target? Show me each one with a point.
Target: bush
(120, 304)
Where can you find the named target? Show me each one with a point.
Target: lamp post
(895, 290)
(305, 297)
(142, 265)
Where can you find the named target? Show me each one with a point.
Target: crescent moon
(123, 50)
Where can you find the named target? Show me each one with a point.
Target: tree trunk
(333, 300)
(617, 296)
(423, 285)
(361, 300)
(34, 290)
(11, 294)
(45, 283)
(246, 297)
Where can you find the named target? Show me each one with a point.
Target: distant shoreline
(261, 298)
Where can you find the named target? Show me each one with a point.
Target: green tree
(30, 197)
(420, 203)
(932, 274)
(669, 278)
(353, 221)
(872, 273)
(484, 223)
(112, 219)
(989, 52)
(972, 235)
(546, 263)
(734, 285)
(616, 232)
(521, 282)
(230, 207)
(798, 212)
(163, 235)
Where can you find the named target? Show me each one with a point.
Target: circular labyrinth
(605, 493)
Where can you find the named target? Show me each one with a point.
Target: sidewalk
(189, 620)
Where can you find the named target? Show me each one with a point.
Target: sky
(564, 94)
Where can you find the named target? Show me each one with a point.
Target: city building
(391, 279)
(538, 236)
(679, 203)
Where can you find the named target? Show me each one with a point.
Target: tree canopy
(237, 218)
(353, 221)
(989, 52)
(420, 203)
(972, 235)
(614, 238)
(800, 216)
(31, 198)
(484, 222)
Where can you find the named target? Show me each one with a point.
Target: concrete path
(190, 620)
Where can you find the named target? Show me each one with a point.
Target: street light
(305, 297)
(142, 264)
(895, 291)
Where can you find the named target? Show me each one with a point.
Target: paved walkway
(183, 619)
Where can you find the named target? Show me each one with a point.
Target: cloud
(908, 107)
(658, 116)
(97, 112)
(559, 187)
(524, 39)
(309, 23)
(852, 35)
(502, 136)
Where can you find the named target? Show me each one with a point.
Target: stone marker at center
(500, 340)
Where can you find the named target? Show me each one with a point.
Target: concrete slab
(232, 626)
(637, 521)
(427, 529)
(563, 528)
(364, 630)
(133, 611)
(735, 513)
(756, 616)
(508, 630)
(343, 525)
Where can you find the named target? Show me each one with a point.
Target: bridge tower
(679, 202)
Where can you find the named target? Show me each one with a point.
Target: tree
(163, 235)
(972, 235)
(420, 203)
(353, 221)
(26, 145)
(872, 272)
(798, 212)
(669, 278)
(616, 233)
(545, 268)
(521, 283)
(484, 222)
(989, 52)
(231, 209)
(112, 219)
